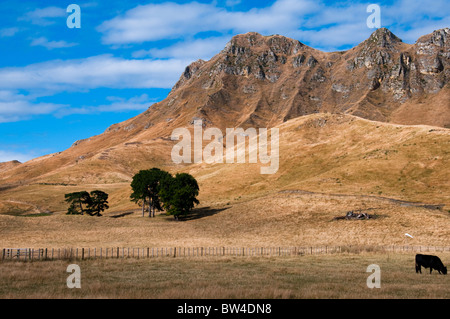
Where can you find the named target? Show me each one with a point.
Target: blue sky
(60, 84)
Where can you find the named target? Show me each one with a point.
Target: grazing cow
(428, 261)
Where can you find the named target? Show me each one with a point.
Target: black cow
(428, 261)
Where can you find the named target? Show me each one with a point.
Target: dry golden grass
(15, 208)
(282, 219)
(319, 152)
(343, 154)
(329, 276)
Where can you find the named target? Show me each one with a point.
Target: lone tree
(83, 202)
(145, 186)
(178, 194)
(76, 201)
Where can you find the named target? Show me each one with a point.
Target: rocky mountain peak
(254, 41)
(382, 38)
(438, 38)
(256, 56)
(263, 80)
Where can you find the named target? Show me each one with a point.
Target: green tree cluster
(158, 189)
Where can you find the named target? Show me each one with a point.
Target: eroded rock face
(274, 78)
(402, 70)
(432, 65)
(253, 55)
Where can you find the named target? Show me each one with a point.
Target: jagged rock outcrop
(264, 80)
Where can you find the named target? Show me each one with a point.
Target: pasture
(338, 276)
(281, 219)
(278, 220)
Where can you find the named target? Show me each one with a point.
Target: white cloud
(412, 19)
(313, 22)
(16, 107)
(53, 77)
(42, 41)
(119, 104)
(6, 156)
(175, 21)
(157, 21)
(45, 16)
(93, 72)
(8, 32)
(190, 49)
(231, 3)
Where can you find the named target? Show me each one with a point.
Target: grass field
(340, 276)
(283, 219)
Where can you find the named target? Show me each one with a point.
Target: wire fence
(34, 254)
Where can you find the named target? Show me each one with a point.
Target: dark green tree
(145, 186)
(79, 202)
(83, 202)
(98, 203)
(179, 194)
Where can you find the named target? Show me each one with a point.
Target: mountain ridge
(390, 72)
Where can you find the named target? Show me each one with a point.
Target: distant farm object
(352, 215)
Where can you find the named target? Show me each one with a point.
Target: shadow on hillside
(202, 212)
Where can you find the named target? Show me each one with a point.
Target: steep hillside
(4, 166)
(326, 153)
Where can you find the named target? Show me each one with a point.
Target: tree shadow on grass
(201, 213)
